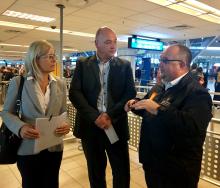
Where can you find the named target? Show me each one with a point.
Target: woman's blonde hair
(35, 51)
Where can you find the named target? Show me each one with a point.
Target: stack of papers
(48, 137)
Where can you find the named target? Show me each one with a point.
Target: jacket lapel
(30, 87)
(53, 98)
(93, 62)
(112, 71)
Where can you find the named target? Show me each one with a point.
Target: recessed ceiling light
(33, 17)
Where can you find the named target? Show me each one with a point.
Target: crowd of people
(7, 73)
(176, 113)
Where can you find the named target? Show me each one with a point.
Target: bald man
(175, 115)
(100, 87)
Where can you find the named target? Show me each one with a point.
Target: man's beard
(164, 77)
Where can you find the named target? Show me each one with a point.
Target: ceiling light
(192, 7)
(15, 45)
(12, 51)
(18, 25)
(198, 11)
(201, 6)
(33, 17)
(26, 46)
(48, 29)
(161, 2)
(184, 9)
(82, 34)
(207, 9)
(4, 55)
(70, 50)
(210, 18)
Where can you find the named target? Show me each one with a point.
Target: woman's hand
(29, 132)
(63, 129)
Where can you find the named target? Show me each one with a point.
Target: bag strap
(18, 100)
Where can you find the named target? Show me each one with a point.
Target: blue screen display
(140, 43)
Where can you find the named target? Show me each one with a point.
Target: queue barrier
(210, 168)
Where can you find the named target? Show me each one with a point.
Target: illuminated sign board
(144, 43)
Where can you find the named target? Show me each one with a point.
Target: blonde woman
(43, 95)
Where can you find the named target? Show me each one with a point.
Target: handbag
(10, 142)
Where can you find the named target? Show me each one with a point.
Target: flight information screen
(141, 43)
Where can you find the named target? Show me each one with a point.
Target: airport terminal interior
(144, 29)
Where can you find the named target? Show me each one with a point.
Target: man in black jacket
(100, 87)
(175, 115)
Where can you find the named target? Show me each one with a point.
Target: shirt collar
(52, 78)
(99, 61)
(173, 82)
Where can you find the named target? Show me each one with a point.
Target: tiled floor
(73, 173)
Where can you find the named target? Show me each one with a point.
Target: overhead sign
(144, 43)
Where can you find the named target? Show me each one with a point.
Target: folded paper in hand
(111, 134)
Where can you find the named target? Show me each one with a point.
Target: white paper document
(111, 134)
(46, 127)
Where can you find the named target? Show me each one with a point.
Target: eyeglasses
(50, 56)
(166, 61)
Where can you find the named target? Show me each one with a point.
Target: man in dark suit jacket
(175, 115)
(100, 87)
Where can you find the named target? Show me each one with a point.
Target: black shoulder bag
(10, 142)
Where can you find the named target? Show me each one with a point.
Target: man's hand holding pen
(146, 104)
(129, 105)
(103, 121)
